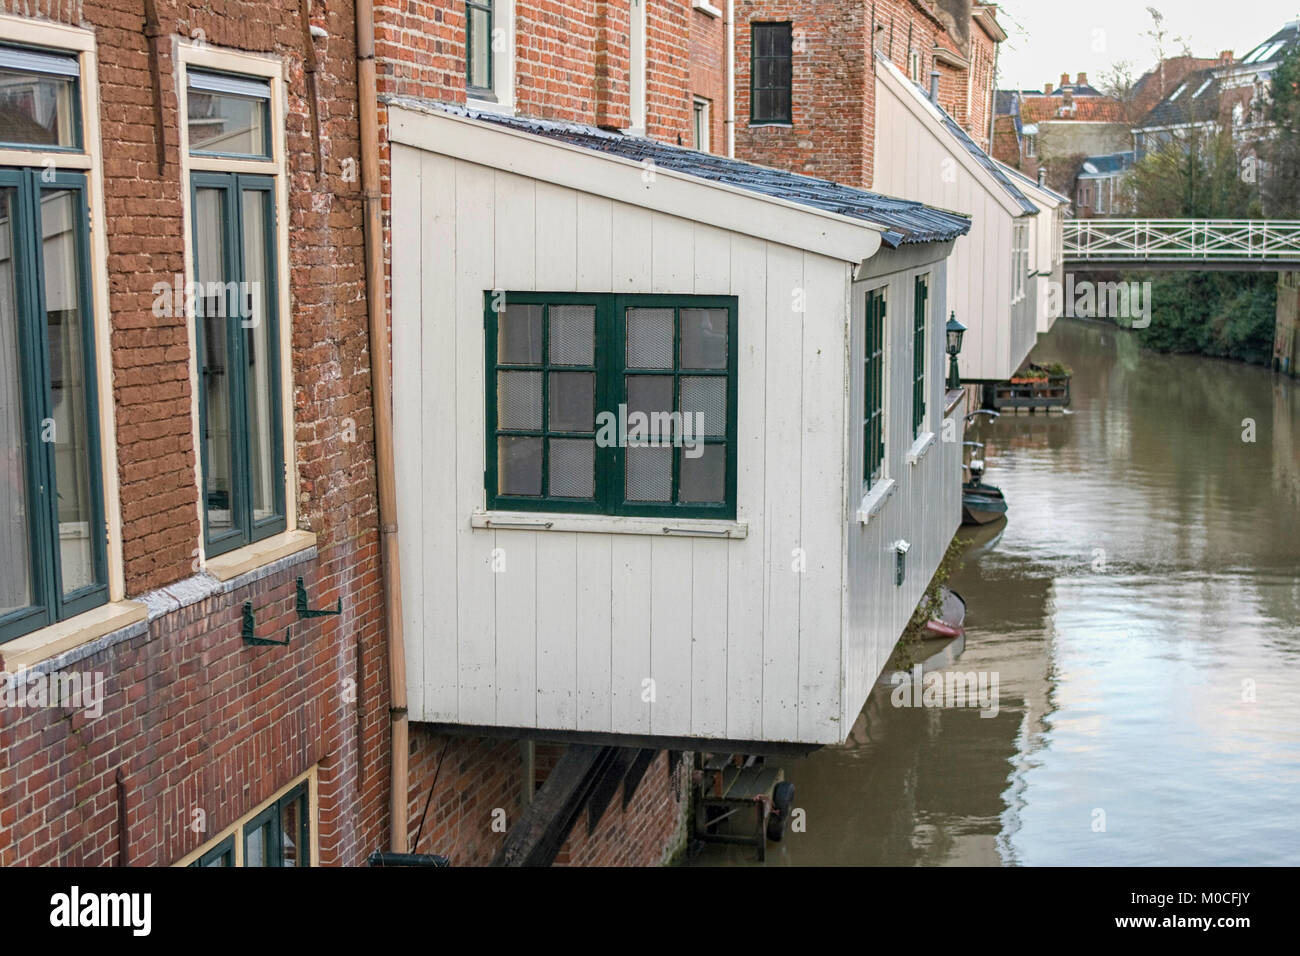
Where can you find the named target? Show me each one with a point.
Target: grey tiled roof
(1195, 100)
(904, 221)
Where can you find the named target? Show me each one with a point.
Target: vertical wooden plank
(557, 626)
(670, 635)
(631, 621)
(594, 243)
(630, 248)
(437, 441)
(557, 233)
(708, 648)
(747, 559)
(517, 621)
(475, 579)
(408, 399)
(595, 634)
(825, 362)
(515, 235)
(784, 358)
(672, 254)
(712, 261)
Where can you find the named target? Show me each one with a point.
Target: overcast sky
(1050, 37)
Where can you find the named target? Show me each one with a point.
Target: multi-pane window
(53, 543)
(920, 311)
(612, 404)
(277, 835)
(771, 77)
(873, 388)
(478, 47)
(701, 127)
(1019, 260)
(237, 329)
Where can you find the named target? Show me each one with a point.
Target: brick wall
(708, 68)
(193, 718)
(480, 783)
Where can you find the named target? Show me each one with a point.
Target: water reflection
(1140, 607)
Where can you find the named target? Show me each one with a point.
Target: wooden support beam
(546, 823)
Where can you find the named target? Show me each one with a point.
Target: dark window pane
(291, 832)
(649, 394)
(519, 335)
(704, 338)
(572, 400)
(519, 463)
(210, 261)
(15, 532)
(256, 309)
(703, 478)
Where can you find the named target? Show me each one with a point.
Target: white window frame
(637, 68)
(503, 61)
(67, 39)
(205, 56)
(701, 120)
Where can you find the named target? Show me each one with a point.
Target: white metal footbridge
(1235, 245)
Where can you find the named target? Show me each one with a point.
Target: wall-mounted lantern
(901, 548)
(955, 331)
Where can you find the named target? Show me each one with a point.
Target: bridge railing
(1169, 240)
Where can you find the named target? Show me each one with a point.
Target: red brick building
(184, 347)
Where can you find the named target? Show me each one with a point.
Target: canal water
(1141, 610)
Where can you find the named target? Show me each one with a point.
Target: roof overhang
(1042, 195)
(986, 16)
(926, 113)
(622, 180)
(944, 55)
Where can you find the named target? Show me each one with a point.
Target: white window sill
(232, 564)
(874, 499)
(607, 524)
(706, 8)
(920, 447)
(30, 649)
(490, 106)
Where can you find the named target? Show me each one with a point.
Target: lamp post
(955, 330)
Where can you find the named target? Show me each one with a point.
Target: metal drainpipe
(731, 79)
(381, 388)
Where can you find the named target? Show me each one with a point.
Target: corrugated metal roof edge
(891, 236)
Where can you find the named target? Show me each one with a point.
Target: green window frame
(223, 854)
(919, 312)
(481, 10)
(286, 821)
(50, 459)
(252, 457)
(614, 379)
(873, 388)
(771, 73)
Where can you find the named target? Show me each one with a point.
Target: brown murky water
(1141, 609)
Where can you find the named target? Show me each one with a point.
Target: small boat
(981, 503)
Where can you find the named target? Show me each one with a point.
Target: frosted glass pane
(519, 400)
(649, 474)
(573, 334)
(704, 338)
(650, 338)
(573, 467)
(708, 397)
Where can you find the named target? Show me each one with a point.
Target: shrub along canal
(1140, 610)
